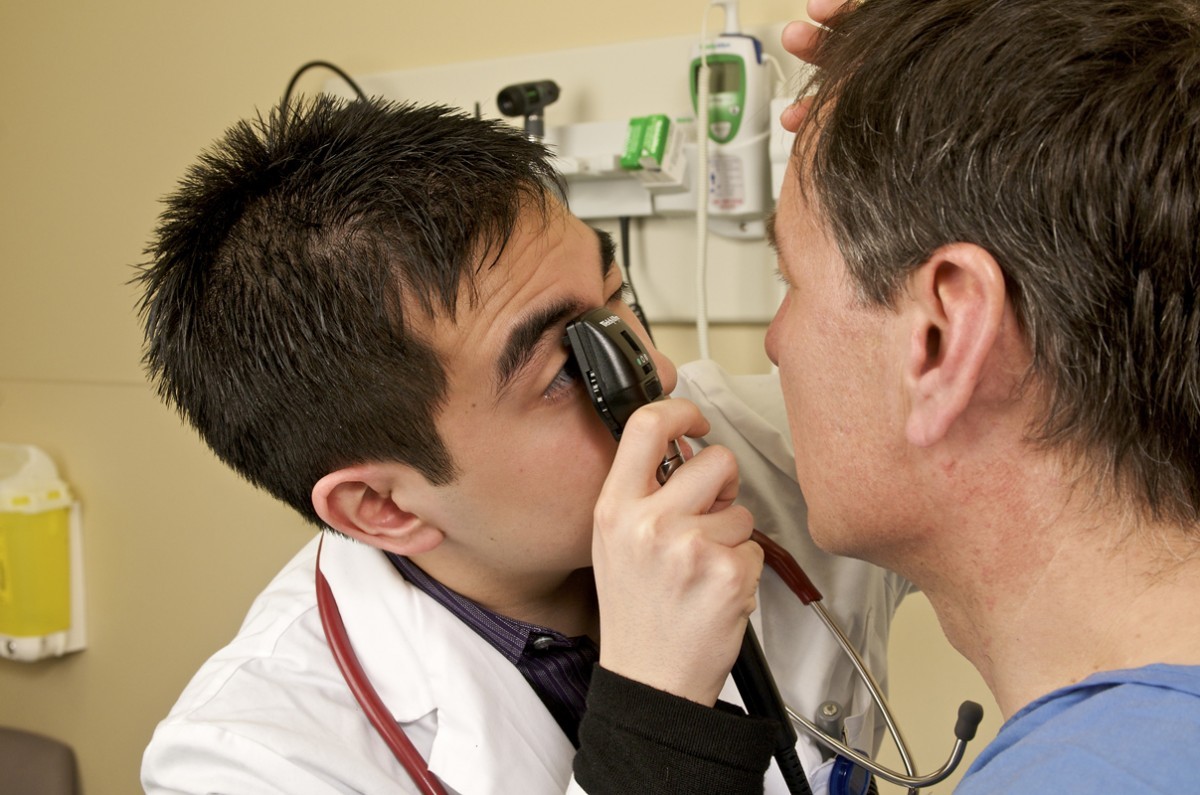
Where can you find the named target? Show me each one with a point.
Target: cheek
(562, 450)
(819, 407)
(558, 461)
(559, 490)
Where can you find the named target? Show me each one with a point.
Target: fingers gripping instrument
(620, 377)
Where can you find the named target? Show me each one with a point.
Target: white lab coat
(270, 712)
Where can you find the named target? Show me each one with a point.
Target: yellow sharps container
(38, 529)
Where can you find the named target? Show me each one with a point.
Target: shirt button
(543, 642)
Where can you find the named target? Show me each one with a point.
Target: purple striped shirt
(558, 668)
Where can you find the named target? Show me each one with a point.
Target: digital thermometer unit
(736, 115)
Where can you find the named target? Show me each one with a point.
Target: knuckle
(693, 557)
(741, 518)
(646, 421)
(610, 516)
(653, 529)
(603, 515)
(720, 457)
(729, 571)
(691, 550)
(757, 554)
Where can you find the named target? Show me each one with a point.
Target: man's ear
(957, 299)
(367, 502)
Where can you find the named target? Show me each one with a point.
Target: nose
(772, 341)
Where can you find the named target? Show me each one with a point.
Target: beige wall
(105, 104)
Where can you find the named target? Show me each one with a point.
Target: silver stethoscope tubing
(969, 713)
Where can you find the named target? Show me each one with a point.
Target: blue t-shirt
(1135, 731)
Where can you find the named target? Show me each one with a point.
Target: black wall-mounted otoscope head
(528, 100)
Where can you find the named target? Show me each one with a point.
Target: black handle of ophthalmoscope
(620, 378)
(754, 682)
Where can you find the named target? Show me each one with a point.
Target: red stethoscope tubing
(381, 718)
(365, 693)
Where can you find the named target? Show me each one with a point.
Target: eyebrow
(531, 329)
(772, 241)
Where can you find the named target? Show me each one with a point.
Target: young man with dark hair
(990, 347)
(361, 307)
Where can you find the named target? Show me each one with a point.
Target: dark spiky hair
(286, 268)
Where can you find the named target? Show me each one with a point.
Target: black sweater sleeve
(635, 739)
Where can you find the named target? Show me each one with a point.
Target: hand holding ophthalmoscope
(712, 571)
(682, 548)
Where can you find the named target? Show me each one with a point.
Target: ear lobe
(363, 502)
(958, 297)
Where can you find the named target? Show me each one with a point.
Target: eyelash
(563, 380)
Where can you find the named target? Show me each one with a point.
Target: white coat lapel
(492, 730)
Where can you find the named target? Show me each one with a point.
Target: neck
(569, 606)
(565, 603)
(1043, 603)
